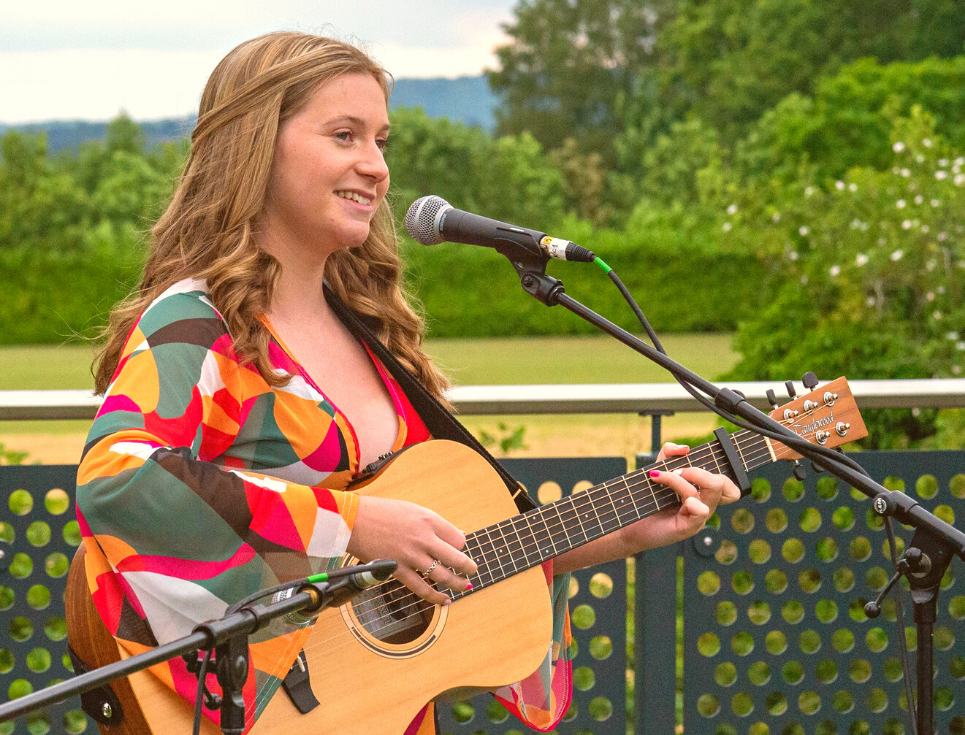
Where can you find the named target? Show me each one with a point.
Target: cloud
(92, 59)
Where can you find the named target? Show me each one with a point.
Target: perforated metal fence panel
(39, 536)
(598, 607)
(776, 640)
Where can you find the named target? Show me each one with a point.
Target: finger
(710, 485)
(676, 482)
(697, 510)
(669, 449)
(447, 578)
(449, 533)
(414, 581)
(722, 487)
(456, 560)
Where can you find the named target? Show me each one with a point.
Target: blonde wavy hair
(206, 231)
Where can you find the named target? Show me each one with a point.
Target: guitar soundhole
(392, 613)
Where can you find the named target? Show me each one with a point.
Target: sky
(91, 59)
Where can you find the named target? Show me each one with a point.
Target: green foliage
(848, 121)
(506, 178)
(872, 275)
(11, 456)
(508, 440)
(729, 61)
(471, 291)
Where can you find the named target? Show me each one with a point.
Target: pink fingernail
(468, 586)
(654, 473)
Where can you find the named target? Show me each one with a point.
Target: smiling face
(329, 173)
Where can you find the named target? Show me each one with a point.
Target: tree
(730, 60)
(569, 65)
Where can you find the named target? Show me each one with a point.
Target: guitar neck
(522, 542)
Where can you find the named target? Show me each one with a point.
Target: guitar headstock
(827, 416)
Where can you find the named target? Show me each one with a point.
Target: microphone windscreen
(421, 221)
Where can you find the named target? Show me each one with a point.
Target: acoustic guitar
(390, 642)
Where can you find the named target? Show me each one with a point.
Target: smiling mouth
(355, 197)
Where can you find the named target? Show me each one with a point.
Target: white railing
(641, 398)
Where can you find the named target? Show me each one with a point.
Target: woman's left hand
(699, 491)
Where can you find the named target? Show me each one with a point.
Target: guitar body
(375, 680)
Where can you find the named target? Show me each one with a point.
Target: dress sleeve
(176, 533)
(541, 699)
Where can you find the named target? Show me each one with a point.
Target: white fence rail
(641, 398)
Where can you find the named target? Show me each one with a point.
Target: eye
(382, 143)
(344, 135)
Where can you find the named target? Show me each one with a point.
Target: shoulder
(182, 313)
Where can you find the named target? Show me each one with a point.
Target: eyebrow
(355, 121)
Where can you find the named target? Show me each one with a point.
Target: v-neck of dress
(389, 384)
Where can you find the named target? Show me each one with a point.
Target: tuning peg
(817, 470)
(810, 380)
(790, 389)
(771, 398)
(799, 472)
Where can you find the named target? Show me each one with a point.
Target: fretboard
(522, 542)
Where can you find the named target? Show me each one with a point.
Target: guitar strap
(440, 422)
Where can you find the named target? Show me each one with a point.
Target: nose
(372, 162)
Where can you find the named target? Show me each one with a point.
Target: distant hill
(464, 99)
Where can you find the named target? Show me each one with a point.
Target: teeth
(353, 196)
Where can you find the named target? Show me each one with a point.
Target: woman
(238, 406)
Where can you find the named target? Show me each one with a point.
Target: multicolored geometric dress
(201, 484)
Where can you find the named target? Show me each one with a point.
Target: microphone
(341, 589)
(431, 220)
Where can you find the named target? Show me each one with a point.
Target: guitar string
(336, 630)
(667, 495)
(342, 632)
(744, 438)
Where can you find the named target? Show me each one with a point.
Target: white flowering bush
(874, 276)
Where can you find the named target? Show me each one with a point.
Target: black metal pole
(925, 615)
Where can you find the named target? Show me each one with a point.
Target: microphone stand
(227, 635)
(934, 542)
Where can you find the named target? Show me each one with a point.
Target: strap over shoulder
(440, 422)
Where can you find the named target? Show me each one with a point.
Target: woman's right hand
(414, 537)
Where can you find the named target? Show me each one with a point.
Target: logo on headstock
(805, 429)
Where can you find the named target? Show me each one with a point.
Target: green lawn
(591, 359)
(506, 361)
(46, 367)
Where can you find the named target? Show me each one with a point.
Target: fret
(474, 550)
(551, 524)
(541, 534)
(589, 516)
(570, 518)
(514, 545)
(486, 566)
(496, 555)
(616, 516)
(636, 484)
(625, 501)
(531, 541)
